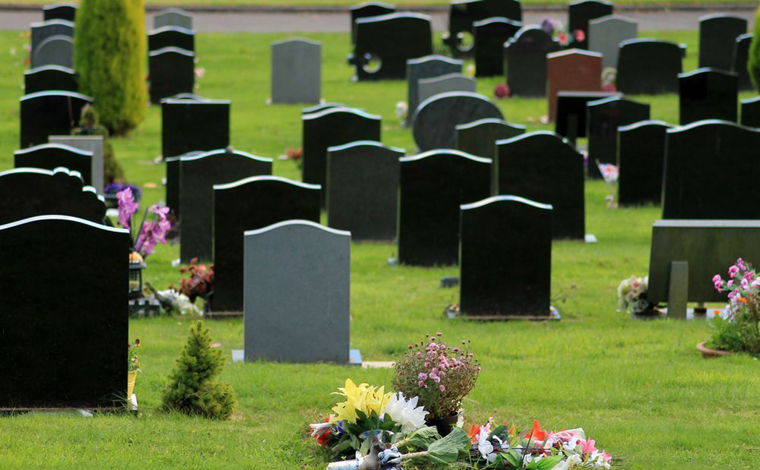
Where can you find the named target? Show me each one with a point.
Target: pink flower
(580, 36)
(744, 283)
(607, 457)
(588, 446)
(563, 39)
(442, 388)
(422, 377)
(127, 207)
(421, 383)
(716, 279)
(733, 270)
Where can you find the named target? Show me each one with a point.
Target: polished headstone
(641, 161)
(453, 82)
(384, 44)
(605, 35)
(464, 13)
(432, 187)
(648, 67)
(711, 154)
(173, 17)
(198, 175)
(572, 114)
(479, 138)
(88, 143)
(251, 204)
(368, 10)
(580, 13)
(60, 11)
(525, 61)
(64, 327)
(717, 36)
(362, 189)
(47, 29)
(751, 112)
(603, 119)
(740, 59)
(52, 156)
(330, 128)
(708, 94)
(172, 71)
(296, 71)
(321, 107)
(49, 78)
(426, 67)
(490, 35)
(572, 70)
(544, 167)
(436, 119)
(54, 50)
(506, 258)
(49, 113)
(309, 320)
(171, 36)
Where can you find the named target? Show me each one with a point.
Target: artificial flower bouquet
(632, 296)
(737, 327)
(150, 232)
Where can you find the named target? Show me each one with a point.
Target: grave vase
(444, 425)
(131, 379)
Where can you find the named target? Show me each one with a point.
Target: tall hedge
(110, 58)
(753, 64)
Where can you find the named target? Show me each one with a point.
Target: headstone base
(590, 238)
(453, 311)
(354, 357)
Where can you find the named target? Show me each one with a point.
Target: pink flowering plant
(632, 296)
(737, 327)
(151, 231)
(441, 376)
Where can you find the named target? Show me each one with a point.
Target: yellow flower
(363, 398)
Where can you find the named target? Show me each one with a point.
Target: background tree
(753, 65)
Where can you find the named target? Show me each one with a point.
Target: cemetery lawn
(399, 3)
(639, 388)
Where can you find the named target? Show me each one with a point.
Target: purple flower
(127, 207)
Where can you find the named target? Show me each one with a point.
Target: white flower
(405, 412)
(570, 462)
(318, 429)
(484, 445)
(402, 109)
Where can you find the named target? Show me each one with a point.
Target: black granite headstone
(603, 119)
(506, 258)
(64, 327)
(705, 165)
(432, 187)
(362, 189)
(321, 107)
(198, 175)
(751, 112)
(368, 10)
(60, 11)
(525, 61)
(708, 94)
(50, 78)
(54, 50)
(571, 111)
(641, 160)
(426, 67)
(648, 67)
(52, 156)
(330, 128)
(171, 36)
(580, 13)
(251, 204)
(490, 36)
(384, 44)
(464, 13)
(544, 167)
(740, 59)
(172, 71)
(717, 36)
(49, 113)
(479, 138)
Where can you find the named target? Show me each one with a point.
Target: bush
(753, 64)
(109, 57)
(192, 388)
(90, 125)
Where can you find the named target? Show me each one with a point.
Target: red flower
(501, 91)
(563, 39)
(537, 433)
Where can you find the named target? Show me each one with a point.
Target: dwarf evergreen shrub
(753, 64)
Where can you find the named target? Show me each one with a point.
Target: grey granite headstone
(297, 293)
(429, 87)
(605, 35)
(436, 119)
(678, 289)
(54, 50)
(296, 71)
(89, 143)
(479, 138)
(173, 17)
(46, 29)
(426, 67)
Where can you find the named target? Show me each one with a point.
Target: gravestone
(717, 37)
(708, 94)
(525, 61)
(60, 11)
(309, 321)
(605, 35)
(422, 68)
(580, 13)
(464, 13)
(50, 78)
(544, 167)
(49, 113)
(331, 128)
(31, 192)
(479, 138)
(173, 17)
(198, 175)
(453, 82)
(171, 36)
(641, 162)
(490, 35)
(572, 70)
(64, 328)
(432, 187)
(321, 107)
(436, 119)
(368, 10)
(751, 112)
(603, 119)
(251, 204)
(572, 114)
(384, 44)
(705, 155)
(648, 67)
(506, 258)
(88, 143)
(296, 71)
(54, 50)
(52, 156)
(172, 71)
(740, 59)
(47, 29)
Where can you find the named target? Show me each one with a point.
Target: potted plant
(632, 297)
(133, 367)
(441, 376)
(199, 284)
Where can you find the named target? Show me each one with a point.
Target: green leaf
(419, 439)
(447, 450)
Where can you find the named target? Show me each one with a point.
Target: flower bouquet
(150, 233)
(557, 31)
(737, 327)
(632, 296)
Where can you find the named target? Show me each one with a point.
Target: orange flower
(474, 430)
(537, 433)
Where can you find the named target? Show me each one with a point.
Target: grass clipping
(192, 388)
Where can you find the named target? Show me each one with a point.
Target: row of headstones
(171, 55)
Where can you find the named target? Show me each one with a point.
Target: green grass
(639, 388)
(399, 3)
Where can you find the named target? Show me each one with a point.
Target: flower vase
(710, 353)
(131, 379)
(443, 425)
